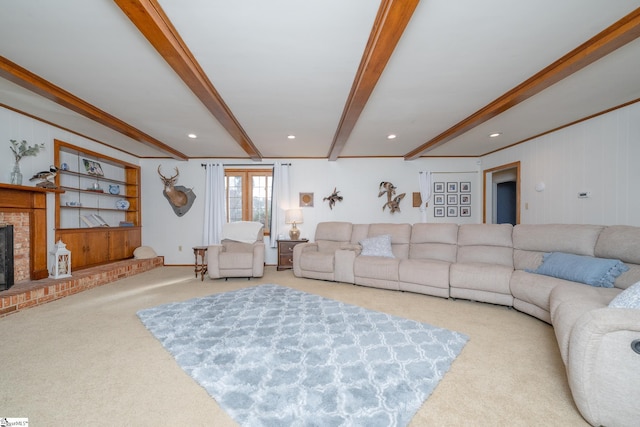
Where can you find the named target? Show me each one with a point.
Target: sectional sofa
(540, 270)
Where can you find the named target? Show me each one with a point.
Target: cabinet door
(97, 243)
(117, 244)
(134, 240)
(123, 242)
(75, 242)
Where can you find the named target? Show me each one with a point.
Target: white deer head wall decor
(180, 198)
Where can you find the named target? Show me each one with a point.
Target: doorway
(502, 194)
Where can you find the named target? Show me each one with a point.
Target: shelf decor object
(21, 150)
(122, 204)
(61, 263)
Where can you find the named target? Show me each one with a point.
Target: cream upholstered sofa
(599, 345)
(240, 252)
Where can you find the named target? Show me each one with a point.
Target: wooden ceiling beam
(615, 36)
(30, 81)
(391, 21)
(152, 22)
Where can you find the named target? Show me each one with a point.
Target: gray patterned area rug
(275, 356)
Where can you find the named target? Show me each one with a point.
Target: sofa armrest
(213, 265)
(355, 247)
(297, 252)
(603, 368)
(258, 259)
(343, 265)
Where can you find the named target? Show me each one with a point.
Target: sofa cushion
(485, 243)
(377, 246)
(379, 268)
(599, 272)
(434, 241)
(629, 298)
(619, 242)
(336, 231)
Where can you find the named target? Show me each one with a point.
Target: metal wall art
(393, 203)
(333, 198)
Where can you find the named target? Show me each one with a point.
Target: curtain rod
(453, 172)
(204, 165)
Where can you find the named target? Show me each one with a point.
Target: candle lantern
(61, 263)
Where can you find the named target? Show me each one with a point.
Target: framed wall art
(438, 187)
(438, 211)
(465, 211)
(452, 187)
(93, 168)
(438, 199)
(306, 200)
(452, 211)
(452, 199)
(465, 199)
(465, 187)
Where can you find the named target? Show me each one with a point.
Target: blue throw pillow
(629, 298)
(599, 272)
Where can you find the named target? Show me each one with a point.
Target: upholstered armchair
(240, 252)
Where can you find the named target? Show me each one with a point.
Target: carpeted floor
(88, 360)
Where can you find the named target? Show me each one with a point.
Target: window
(249, 195)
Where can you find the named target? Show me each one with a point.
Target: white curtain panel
(214, 204)
(424, 178)
(280, 198)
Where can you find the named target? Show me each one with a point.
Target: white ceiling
(287, 67)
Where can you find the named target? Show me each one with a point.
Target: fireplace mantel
(33, 200)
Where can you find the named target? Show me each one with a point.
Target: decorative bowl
(122, 204)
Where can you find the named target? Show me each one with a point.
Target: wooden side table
(285, 253)
(200, 266)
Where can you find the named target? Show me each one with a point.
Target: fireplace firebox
(6, 256)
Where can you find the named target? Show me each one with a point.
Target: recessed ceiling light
(291, 136)
(192, 136)
(391, 136)
(495, 134)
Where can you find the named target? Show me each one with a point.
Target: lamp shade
(293, 216)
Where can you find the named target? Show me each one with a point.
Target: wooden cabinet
(98, 215)
(95, 246)
(285, 253)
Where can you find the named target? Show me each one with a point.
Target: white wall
(356, 179)
(601, 155)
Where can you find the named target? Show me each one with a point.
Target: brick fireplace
(26, 209)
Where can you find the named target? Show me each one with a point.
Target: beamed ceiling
(340, 75)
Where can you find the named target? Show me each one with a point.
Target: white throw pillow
(629, 298)
(144, 252)
(377, 246)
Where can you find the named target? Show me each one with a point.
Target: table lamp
(293, 216)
